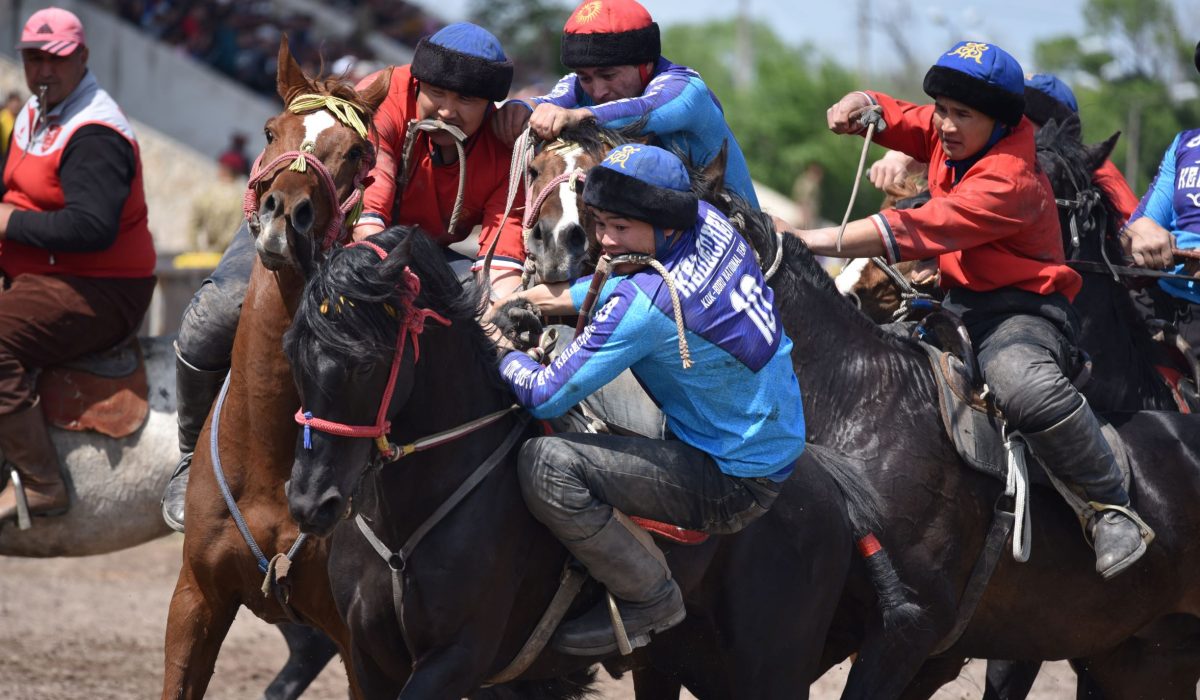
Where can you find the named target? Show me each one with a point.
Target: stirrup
(1145, 530)
(24, 520)
(623, 644)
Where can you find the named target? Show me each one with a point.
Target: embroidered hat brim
(461, 72)
(596, 50)
(992, 100)
(636, 199)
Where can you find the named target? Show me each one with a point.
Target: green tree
(1131, 74)
(779, 117)
(529, 31)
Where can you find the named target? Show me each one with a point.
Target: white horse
(115, 484)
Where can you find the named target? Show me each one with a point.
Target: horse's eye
(536, 233)
(355, 153)
(533, 173)
(364, 368)
(269, 135)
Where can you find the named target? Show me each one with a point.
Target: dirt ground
(93, 628)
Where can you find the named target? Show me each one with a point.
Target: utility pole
(864, 38)
(743, 64)
(1133, 145)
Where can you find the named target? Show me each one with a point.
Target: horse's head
(1086, 216)
(560, 242)
(354, 346)
(307, 185)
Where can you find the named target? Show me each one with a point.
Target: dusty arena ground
(93, 628)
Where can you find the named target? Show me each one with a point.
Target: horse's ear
(399, 256)
(374, 95)
(1071, 128)
(289, 80)
(1098, 153)
(713, 174)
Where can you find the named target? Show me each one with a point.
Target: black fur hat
(464, 58)
(609, 33)
(644, 183)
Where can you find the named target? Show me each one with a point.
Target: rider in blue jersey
(620, 77)
(735, 412)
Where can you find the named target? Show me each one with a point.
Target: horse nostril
(303, 216)
(273, 204)
(577, 237)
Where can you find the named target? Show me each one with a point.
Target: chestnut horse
(322, 136)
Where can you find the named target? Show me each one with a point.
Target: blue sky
(927, 25)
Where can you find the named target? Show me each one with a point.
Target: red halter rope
(334, 232)
(533, 208)
(412, 321)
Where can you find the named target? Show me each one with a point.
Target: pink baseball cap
(53, 30)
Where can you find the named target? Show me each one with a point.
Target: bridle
(347, 211)
(412, 324)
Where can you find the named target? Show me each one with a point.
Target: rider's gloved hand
(891, 170)
(1148, 244)
(549, 120)
(843, 116)
(510, 120)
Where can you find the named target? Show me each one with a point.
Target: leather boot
(29, 451)
(195, 390)
(1075, 450)
(622, 556)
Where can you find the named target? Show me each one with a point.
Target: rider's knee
(548, 480)
(1038, 398)
(209, 322)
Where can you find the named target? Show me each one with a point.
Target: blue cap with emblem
(981, 76)
(645, 183)
(465, 58)
(1047, 97)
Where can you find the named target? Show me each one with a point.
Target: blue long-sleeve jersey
(681, 111)
(1173, 202)
(739, 402)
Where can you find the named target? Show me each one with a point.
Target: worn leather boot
(622, 556)
(28, 450)
(1077, 452)
(1118, 540)
(195, 391)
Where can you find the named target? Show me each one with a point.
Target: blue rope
(234, 511)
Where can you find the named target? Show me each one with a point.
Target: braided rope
(406, 165)
(685, 352)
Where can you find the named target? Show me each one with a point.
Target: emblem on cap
(971, 50)
(621, 155)
(588, 12)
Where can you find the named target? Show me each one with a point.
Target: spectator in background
(8, 117)
(217, 211)
(77, 258)
(234, 158)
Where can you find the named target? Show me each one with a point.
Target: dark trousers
(571, 483)
(210, 320)
(1026, 360)
(46, 320)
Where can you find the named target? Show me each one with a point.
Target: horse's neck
(262, 396)
(847, 368)
(451, 386)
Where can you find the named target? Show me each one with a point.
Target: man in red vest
(76, 255)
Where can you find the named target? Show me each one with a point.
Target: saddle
(105, 392)
(969, 413)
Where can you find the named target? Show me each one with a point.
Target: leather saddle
(969, 414)
(105, 392)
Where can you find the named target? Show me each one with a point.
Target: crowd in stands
(241, 39)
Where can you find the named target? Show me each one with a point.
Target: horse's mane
(341, 87)
(345, 306)
(596, 140)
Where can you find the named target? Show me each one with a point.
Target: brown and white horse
(306, 183)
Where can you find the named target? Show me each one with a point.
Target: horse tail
(866, 516)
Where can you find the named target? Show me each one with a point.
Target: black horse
(759, 603)
(1124, 377)
(872, 394)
